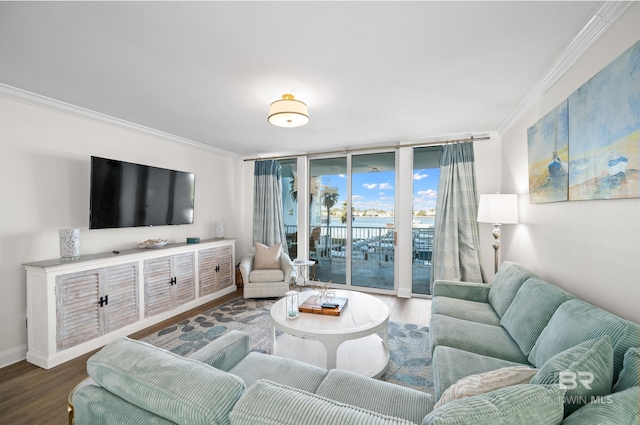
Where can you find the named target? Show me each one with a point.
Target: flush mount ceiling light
(288, 112)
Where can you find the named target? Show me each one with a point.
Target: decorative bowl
(153, 243)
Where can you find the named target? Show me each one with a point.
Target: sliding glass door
(352, 219)
(426, 173)
(373, 181)
(328, 219)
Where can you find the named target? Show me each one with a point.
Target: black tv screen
(131, 195)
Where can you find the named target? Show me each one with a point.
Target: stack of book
(329, 308)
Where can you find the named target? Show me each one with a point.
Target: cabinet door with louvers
(215, 269)
(121, 285)
(158, 286)
(78, 312)
(168, 282)
(184, 278)
(95, 302)
(225, 264)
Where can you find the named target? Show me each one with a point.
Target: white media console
(75, 306)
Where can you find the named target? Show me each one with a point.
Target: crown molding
(603, 18)
(34, 99)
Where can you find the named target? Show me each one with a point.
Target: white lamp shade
(288, 112)
(498, 208)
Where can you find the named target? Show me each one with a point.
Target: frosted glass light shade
(288, 112)
(498, 208)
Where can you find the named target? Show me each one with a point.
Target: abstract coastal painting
(588, 147)
(548, 144)
(604, 132)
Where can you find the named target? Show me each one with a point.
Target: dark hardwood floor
(32, 395)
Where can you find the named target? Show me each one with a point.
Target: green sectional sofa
(573, 362)
(132, 382)
(519, 320)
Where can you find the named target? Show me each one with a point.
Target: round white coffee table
(350, 340)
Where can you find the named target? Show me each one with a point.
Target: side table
(302, 270)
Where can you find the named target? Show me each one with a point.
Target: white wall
(589, 248)
(44, 186)
(488, 168)
(244, 188)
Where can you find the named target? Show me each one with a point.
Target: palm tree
(343, 216)
(293, 190)
(330, 197)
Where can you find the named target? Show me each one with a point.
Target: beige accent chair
(267, 283)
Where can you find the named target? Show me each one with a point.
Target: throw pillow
(486, 382)
(586, 369)
(618, 408)
(267, 257)
(519, 404)
(630, 374)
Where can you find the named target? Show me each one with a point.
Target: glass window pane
(328, 237)
(426, 173)
(289, 204)
(373, 226)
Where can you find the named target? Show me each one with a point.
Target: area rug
(410, 358)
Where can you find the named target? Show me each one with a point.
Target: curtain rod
(434, 143)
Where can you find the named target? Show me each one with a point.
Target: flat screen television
(124, 194)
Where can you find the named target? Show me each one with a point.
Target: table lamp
(497, 209)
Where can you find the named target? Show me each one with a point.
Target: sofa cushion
(268, 403)
(225, 351)
(518, 404)
(482, 383)
(617, 408)
(94, 405)
(576, 321)
(530, 311)
(589, 367)
(390, 399)
(287, 372)
(182, 390)
(471, 291)
(267, 257)
(265, 276)
(451, 364)
(488, 340)
(464, 309)
(506, 284)
(630, 374)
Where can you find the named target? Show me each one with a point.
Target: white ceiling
(371, 73)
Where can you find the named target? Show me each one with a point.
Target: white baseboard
(13, 355)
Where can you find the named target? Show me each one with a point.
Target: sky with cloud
(377, 190)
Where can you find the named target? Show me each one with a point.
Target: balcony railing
(374, 244)
(372, 256)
